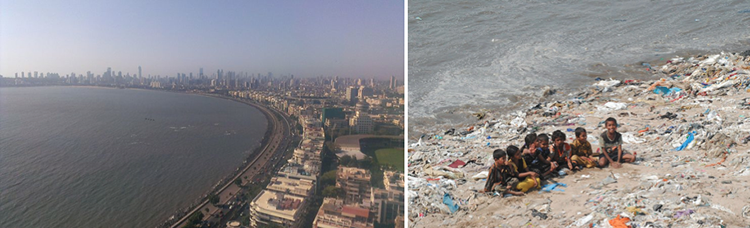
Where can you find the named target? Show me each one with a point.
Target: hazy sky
(304, 38)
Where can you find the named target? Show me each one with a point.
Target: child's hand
(616, 165)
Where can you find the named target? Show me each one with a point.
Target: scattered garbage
(690, 138)
(619, 222)
(680, 214)
(536, 213)
(689, 129)
(447, 200)
(553, 186)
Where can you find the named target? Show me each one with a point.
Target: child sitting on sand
(561, 151)
(581, 149)
(530, 179)
(542, 163)
(610, 142)
(529, 149)
(501, 177)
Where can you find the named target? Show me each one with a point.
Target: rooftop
(352, 211)
(287, 185)
(277, 204)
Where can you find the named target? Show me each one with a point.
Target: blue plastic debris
(447, 200)
(553, 186)
(661, 90)
(690, 138)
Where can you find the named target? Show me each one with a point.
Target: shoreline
(461, 115)
(266, 144)
(705, 178)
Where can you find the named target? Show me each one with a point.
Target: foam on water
(467, 56)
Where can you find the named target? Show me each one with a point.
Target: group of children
(517, 170)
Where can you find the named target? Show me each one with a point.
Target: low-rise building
(334, 213)
(355, 182)
(276, 207)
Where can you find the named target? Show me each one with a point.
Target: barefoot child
(542, 163)
(501, 177)
(529, 149)
(581, 149)
(530, 179)
(561, 151)
(610, 142)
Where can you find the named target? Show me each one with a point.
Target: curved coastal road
(276, 144)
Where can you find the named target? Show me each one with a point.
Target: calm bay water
(88, 157)
(467, 56)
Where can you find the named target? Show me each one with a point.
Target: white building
(271, 206)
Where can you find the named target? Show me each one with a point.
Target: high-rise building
(393, 82)
(361, 122)
(364, 92)
(200, 73)
(334, 84)
(351, 93)
(331, 113)
(139, 72)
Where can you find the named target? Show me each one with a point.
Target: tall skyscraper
(139, 72)
(364, 92)
(393, 82)
(201, 73)
(351, 93)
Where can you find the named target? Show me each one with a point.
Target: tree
(332, 147)
(213, 199)
(345, 160)
(238, 182)
(328, 178)
(332, 191)
(366, 163)
(194, 219)
(298, 127)
(353, 162)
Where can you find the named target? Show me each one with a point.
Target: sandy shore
(709, 96)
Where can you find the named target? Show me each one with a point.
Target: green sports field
(391, 156)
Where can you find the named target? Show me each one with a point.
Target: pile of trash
(689, 130)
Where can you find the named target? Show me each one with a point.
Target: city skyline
(359, 40)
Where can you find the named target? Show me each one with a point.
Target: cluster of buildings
(340, 106)
(221, 79)
(318, 106)
(363, 205)
(284, 201)
(286, 198)
(383, 116)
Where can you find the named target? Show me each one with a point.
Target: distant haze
(301, 38)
